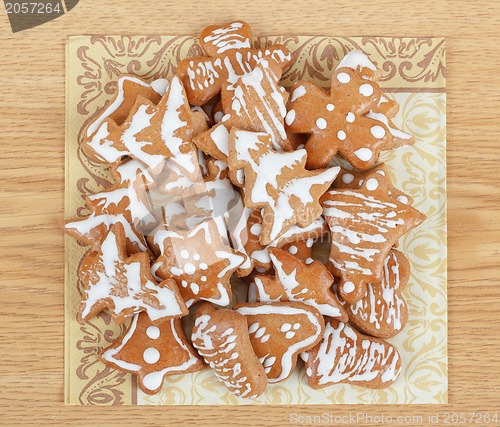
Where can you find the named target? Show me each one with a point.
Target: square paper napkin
(414, 75)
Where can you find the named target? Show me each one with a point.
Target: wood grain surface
(32, 72)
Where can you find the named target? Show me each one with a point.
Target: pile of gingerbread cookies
(225, 183)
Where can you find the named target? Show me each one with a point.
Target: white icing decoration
(255, 229)
(356, 60)
(394, 132)
(348, 287)
(223, 357)
(388, 311)
(189, 268)
(360, 225)
(160, 86)
(285, 327)
(227, 38)
(341, 135)
(118, 101)
(347, 178)
(402, 199)
(151, 355)
(290, 117)
(350, 117)
(290, 235)
(292, 290)
(297, 93)
(364, 154)
(371, 184)
(366, 89)
(153, 380)
(343, 78)
(377, 131)
(267, 168)
(84, 227)
(270, 121)
(321, 123)
(153, 332)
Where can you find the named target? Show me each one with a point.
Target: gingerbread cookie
(125, 202)
(386, 109)
(359, 61)
(124, 285)
(346, 356)
(383, 311)
(153, 352)
(297, 281)
(375, 178)
(301, 249)
(128, 89)
(257, 104)
(337, 121)
(92, 231)
(152, 133)
(127, 197)
(364, 225)
(220, 200)
(246, 238)
(199, 261)
(228, 47)
(221, 338)
(278, 183)
(279, 331)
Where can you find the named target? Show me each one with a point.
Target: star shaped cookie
(199, 261)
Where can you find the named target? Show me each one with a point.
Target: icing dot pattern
(343, 127)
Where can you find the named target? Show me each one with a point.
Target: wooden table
(32, 74)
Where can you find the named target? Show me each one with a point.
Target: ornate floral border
(414, 70)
